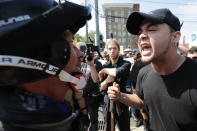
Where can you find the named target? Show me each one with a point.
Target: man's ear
(176, 37)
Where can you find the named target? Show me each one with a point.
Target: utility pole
(97, 24)
(86, 26)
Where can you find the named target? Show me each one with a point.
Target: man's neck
(114, 61)
(168, 66)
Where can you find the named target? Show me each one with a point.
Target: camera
(90, 48)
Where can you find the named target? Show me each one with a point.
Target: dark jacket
(122, 72)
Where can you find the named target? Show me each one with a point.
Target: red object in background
(184, 41)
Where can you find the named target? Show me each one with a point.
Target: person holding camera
(92, 92)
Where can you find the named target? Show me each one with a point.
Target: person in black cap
(38, 64)
(166, 87)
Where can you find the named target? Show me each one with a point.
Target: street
(132, 123)
(101, 124)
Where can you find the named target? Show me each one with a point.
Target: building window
(124, 33)
(114, 33)
(122, 13)
(109, 13)
(129, 40)
(116, 13)
(109, 34)
(116, 19)
(114, 26)
(124, 40)
(109, 19)
(119, 27)
(119, 40)
(119, 33)
(109, 27)
(124, 27)
(122, 20)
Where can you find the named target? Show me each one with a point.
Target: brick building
(116, 15)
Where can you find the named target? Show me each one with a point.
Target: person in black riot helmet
(36, 63)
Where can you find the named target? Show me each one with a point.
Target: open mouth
(146, 49)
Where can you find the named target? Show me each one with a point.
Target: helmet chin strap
(78, 82)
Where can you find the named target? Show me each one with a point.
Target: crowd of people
(50, 83)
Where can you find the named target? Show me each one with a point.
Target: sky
(185, 10)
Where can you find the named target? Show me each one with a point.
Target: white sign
(193, 39)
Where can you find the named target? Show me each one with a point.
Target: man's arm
(109, 71)
(94, 73)
(131, 100)
(120, 71)
(105, 83)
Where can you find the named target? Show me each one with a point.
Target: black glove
(86, 120)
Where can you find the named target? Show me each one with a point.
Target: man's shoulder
(122, 61)
(145, 70)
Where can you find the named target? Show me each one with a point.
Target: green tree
(78, 38)
(91, 35)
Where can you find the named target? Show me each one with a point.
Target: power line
(156, 2)
(116, 16)
(103, 16)
(110, 16)
(182, 15)
(186, 16)
(190, 21)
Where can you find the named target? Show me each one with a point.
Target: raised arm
(109, 71)
(105, 83)
(94, 73)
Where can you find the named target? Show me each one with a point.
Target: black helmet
(31, 38)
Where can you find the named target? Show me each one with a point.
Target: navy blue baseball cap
(163, 15)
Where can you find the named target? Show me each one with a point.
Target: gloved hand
(86, 121)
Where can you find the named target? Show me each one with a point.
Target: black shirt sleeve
(123, 70)
(98, 66)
